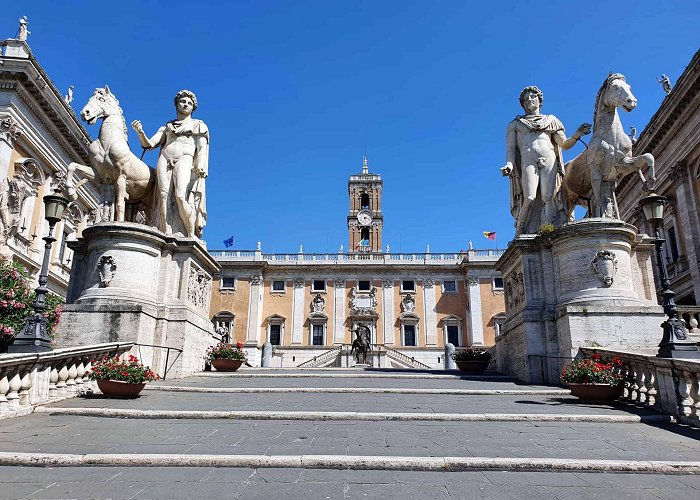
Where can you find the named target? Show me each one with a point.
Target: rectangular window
(408, 286)
(364, 285)
(453, 335)
(449, 286)
(275, 334)
(317, 335)
(228, 282)
(278, 286)
(498, 283)
(318, 285)
(409, 335)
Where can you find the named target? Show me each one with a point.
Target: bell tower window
(364, 201)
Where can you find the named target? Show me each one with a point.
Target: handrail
(167, 355)
(317, 361)
(403, 358)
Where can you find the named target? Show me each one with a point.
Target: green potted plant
(226, 357)
(591, 379)
(472, 360)
(120, 378)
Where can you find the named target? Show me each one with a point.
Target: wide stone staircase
(347, 433)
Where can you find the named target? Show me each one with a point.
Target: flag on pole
(229, 242)
(491, 235)
(362, 243)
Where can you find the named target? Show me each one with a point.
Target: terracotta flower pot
(590, 393)
(117, 389)
(226, 365)
(472, 366)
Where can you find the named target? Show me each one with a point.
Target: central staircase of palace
(347, 433)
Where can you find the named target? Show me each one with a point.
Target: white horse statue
(112, 160)
(594, 173)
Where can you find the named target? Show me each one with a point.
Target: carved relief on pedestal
(605, 266)
(515, 290)
(107, 268)
(198, 287)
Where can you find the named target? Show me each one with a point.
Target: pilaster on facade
(475, 336)
(689, 224)
(255, 309)
(339, 312)
(429, 303)
(298, 312)
(388, 311)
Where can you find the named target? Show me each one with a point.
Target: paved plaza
(464, 437)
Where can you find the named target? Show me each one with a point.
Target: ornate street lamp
(34, 336)
(675, 342)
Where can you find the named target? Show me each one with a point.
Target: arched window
(223, 325)
(364, 200)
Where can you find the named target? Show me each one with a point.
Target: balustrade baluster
(650, 384)
(79, 381)
(62, 377)
(25, 385)
(641, 387)
(685, 406)
(15, 384)
(53, 380)
(4, 389)
(695, 396)
(72, 373)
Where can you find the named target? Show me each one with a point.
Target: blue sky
(295, 92)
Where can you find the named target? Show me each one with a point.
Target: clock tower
(365, 219)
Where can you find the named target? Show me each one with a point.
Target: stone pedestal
(132, 283)
(589, 283)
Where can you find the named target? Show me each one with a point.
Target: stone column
(475, 336)
(689, 224)
(254, 310)
(388, 311)
(298, 312)
(429, 312)
(339, 312)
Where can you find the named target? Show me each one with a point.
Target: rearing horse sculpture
(111, 158)
(593, 174)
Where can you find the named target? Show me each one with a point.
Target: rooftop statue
(535, 165)
(593, 174)
(23, 32)
(182, 167)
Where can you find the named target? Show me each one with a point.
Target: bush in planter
(594, 371)
(130, 371)
(16, 302)
(226, 351)
(471, 355)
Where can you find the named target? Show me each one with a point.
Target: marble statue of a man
(182, 167)
(534, 163)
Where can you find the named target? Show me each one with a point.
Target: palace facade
(308, 305)
(673, 137)
(40, 135)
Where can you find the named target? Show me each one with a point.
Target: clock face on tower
(364, 218)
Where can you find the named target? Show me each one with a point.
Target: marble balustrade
(29, 379)
(668, 385)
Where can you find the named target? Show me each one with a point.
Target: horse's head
(618, 93)
(101, 104)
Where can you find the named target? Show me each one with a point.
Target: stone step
(344, 416)
(65, 434)
(355, 374)
(359, 390)
(348, 462)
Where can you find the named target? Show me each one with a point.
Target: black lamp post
(34, 336)
(675, 342)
